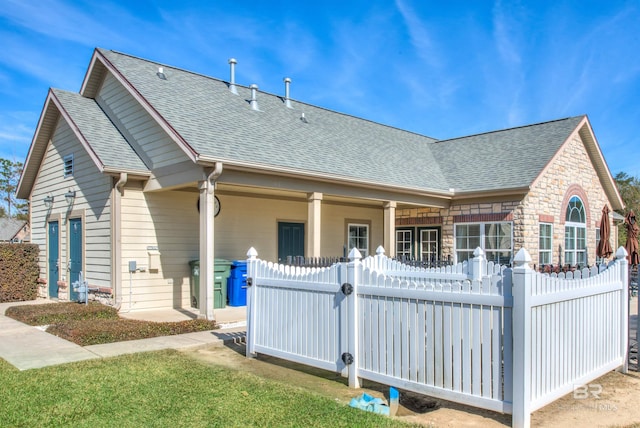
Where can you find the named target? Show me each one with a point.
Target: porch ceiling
(265, 192)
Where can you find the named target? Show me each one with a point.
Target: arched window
(575, 233)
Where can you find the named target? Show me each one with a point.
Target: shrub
(94, 324)
(19, 272)
(98, 331)
(53, 313)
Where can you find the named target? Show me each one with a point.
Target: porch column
(206, 188)
(389, 237)
(314, 218)
(116, 238)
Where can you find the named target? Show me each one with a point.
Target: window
(494, 238)
(429, 245)
(575, 233)
(68, 166)
(359, 238)
(545, 243)
(404, 241)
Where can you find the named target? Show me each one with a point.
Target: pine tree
(629, 188)
(10, 172)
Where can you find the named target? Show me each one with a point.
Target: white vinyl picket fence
(508, 340)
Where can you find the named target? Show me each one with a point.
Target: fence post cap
(380, 250)
(478, 252)
(621, 253)
(252, 253)
(354, 254)
(522, 258)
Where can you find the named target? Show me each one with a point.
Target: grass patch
(95, 323)
(164, 389)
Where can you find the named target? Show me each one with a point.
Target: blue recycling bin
(237, 283)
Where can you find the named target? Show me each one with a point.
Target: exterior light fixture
(70, 196)
(48, 201)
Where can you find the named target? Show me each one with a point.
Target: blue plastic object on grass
(370, 404)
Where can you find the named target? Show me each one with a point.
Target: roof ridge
(510, 129)
(274, 95)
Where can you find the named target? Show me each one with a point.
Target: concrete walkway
(27, 347)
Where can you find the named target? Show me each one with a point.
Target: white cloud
(420, 37)
(15, 138)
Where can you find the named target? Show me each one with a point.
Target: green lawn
(163, 389)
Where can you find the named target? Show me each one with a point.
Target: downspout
(212, 177)
(116, 243)
(207, 246)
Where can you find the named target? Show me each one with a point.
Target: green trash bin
(221, 271)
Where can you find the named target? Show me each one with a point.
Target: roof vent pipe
(232, 80)
(254, 101)
(287, 100)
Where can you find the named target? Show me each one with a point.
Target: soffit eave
(295, 173)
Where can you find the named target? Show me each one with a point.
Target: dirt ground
(618, 403)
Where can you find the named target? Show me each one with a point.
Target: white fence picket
(448, 332)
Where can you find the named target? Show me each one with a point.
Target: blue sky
(442, 69)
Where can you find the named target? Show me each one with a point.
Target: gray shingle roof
(218, 124)
(9, 227)
(221, 125)
(105, 139)
(507, 159)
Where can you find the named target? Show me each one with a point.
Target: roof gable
(221, 126)
(506, 159)
(105, 145)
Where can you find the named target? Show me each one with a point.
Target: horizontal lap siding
(148, 139)
(334, 226)
(93, 191)
(170, 222)
(246, 222)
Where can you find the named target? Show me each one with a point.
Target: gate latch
(249, 282)
(347, 358)
(347, 288)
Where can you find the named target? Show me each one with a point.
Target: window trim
(482, 238)
(438, 231)
(359, 223)
(575, 226)
(411, 243)
(540, 249)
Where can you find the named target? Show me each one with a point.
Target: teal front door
(75, 254)
(290, 240)
(53, 254)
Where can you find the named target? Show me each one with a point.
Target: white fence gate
(508, 340)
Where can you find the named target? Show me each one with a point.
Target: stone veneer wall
(425, 217)
(570, 170)
(570, 173)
